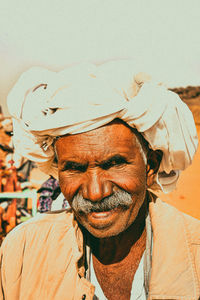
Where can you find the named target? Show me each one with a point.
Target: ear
(154, 158)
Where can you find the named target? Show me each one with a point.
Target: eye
(116, 161)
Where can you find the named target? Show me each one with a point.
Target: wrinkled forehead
(114, 135)
(135, 134)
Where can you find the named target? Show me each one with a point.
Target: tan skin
(95, 164)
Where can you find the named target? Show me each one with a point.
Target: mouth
(102, 214)
(103, 219)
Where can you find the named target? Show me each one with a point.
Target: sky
(160, 36)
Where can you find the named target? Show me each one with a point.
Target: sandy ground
(186, 196)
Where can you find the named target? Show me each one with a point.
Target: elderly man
(111, 138)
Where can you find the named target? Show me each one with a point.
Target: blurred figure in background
(51, 197)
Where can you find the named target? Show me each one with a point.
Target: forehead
(109, 139)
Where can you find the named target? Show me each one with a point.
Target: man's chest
(116, 280)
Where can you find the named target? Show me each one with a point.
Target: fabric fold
(45, 105)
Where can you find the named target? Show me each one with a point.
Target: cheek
(69, 185)
(132, 180)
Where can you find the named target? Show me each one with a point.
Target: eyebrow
(105, 164)
(75, 166)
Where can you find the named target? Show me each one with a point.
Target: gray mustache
(118, 199)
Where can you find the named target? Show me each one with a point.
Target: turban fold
(46, 104)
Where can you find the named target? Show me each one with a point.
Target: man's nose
(96, 187)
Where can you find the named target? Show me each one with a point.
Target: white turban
(45, 105)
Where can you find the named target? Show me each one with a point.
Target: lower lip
(104, 219)
(103, 214)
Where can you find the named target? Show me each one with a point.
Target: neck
(114, 249)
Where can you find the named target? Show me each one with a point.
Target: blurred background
(161, 36)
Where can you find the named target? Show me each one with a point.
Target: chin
(105, 231)
(107, 223)
(101, 234)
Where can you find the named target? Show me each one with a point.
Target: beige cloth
(47, 104)
(42, 258)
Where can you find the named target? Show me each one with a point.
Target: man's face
(98, 167)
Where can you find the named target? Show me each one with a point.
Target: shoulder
(37, 229)
(193, 226)
(163, 212)
(39, 249)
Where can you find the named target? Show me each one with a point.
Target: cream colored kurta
(42, 258)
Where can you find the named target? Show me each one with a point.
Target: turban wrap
(45, 105)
